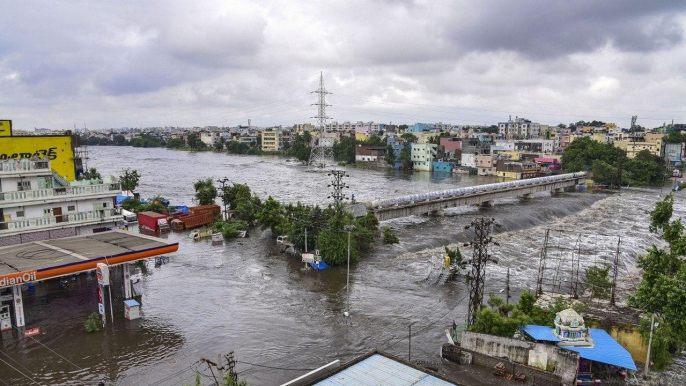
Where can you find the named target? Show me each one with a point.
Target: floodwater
(246, 297)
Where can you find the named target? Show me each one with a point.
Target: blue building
(443, 166)
(420, 127)
(397, 144)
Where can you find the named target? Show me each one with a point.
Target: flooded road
(245, 296)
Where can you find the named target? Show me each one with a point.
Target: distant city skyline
(159, 63)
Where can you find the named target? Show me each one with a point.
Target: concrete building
(37, 204)
(209, 138)
(517, 170)
(519, 128)
(397, 144)
(542, 146)
(443, 166)
(673, 153)
(370, 153)
(452, 146)
(632, 148)
(272, 140)
(486, 164)
(423, 155)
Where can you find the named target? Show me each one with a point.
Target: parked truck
(191, 221)
(212, 209)
(153, 222)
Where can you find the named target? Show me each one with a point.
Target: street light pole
(348, 228)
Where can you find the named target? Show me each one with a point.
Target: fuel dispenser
(5, 318)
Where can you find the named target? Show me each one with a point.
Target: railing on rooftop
(25, 164)
(70, 218)
(27, 195)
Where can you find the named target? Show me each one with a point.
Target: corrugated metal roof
(606, 350)
(381, 370)
(543, 333)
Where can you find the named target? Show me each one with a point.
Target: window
(23, 185)
(20, 213)
(47, 211)
(71, 208)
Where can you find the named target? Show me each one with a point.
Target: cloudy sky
(194, 63)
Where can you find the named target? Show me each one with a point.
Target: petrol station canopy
(41, 260)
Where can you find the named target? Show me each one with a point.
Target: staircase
(59, 180)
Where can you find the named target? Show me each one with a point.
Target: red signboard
(31, 332)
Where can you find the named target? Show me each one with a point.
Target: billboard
(5, 128)
(59, 149)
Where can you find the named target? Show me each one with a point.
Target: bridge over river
(436, 202)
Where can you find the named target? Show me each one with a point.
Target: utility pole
(223, 188)
(338, 185)
(348, 228)
(615, 267)
(650, 342)
(320, 154)
(482, 237)
(507, 287)
(541, 264)
(409, 342)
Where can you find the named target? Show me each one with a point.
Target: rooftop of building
(70, 255)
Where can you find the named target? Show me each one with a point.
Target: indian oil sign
(18, 278)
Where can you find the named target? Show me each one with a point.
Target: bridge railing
(458, 192)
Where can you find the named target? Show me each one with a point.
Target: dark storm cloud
(557, 28)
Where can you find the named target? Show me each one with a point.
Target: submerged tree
(205, 192)
(129, 180)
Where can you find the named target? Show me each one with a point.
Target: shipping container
(152, 221)
(211, 209)
(191, 221)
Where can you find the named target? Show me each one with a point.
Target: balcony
(60, 221)
(24, 167)
(58, 194)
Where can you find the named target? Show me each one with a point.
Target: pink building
(451, 144)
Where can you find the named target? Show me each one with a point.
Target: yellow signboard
(57, 148)
(5, 128)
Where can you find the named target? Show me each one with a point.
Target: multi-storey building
(37, 204)
(423, 155)
(519, 128)
(272, 140)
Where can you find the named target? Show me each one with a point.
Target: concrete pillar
(437, 213)
(528, 196)
(127, 281)
(487, 204)
(18, 305)
(558, 191)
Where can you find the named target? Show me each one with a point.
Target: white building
(468, 160)
(423, 155)
(37, 204)
(209, 138)
(519, 128)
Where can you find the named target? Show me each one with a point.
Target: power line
(17, 370)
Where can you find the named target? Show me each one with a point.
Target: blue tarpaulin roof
(319, 265)
(605, 350)
(544, 333)
(131, 303)
(381, 370)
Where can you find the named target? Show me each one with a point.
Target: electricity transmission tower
(321, 154)
(482, 237)
(338, 186)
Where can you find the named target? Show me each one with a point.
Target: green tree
(219, 146)
(176, 143)
(603, 172)
(596, 281)
(406, 156)
(119, 140)
(131, 204)
(455, 257)
(194, 141)
(389, 237)
(374, 140)
(271, 215)
(675, 137)
(205, 192)
(662, 291)
(390, 155)
(333, 241)
(91, 174)
(344, 150)
(129, 180)
(409, 137)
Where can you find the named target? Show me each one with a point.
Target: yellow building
(632, 148)
(59, 149)
(654, 137)
(271, 140)
(361, 136)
